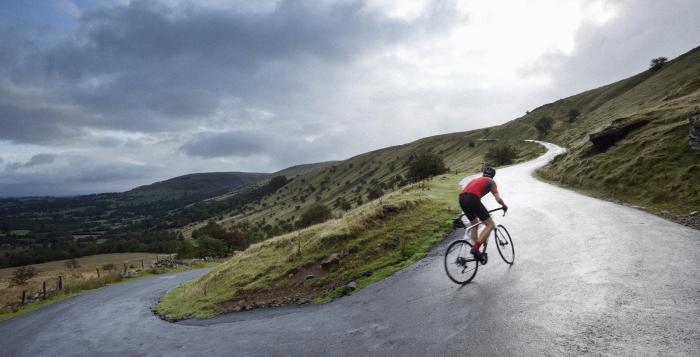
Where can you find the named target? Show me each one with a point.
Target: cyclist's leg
(468, 210)
(483, 214)
(489, 225)
(475, 230)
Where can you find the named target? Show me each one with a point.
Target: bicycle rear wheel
(505, 244)
(460, 265)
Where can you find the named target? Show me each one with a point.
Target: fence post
(24, 297)
(124, 268)
(60, 283)
(142, 264)
(43, 288)
(98, 272)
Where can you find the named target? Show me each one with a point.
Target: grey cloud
(280, 149)
(642, 30)
(144, 68)
(223, 144)
(68, 174)
(36, 160)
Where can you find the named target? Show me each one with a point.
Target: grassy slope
(350, 179)
(374, 240)
(653, 166)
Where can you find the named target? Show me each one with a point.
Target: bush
(374, 192)
(234, 240)
(425, 165)
(573, 114)
(72, 264)
(543, 125)
(210, 247)
(317, 213)
(501, 155)
(657, 63)
(22, 275)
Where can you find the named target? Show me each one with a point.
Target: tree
(22, 275)
(186, 249)
(317, 213)
(543, 125)
(573, 115)
(234, 240)
(425, 165)
(210, 247)
(501, 155)
(657, 63)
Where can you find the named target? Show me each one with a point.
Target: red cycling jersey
(480, 186)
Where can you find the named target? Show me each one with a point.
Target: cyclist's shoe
(481, 257)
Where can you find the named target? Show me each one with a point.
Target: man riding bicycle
(470, 201)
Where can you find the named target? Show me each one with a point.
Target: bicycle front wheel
(505, 244)
(460, 265)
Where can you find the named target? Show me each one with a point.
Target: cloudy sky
(105, 96)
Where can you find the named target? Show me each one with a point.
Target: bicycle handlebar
(500, 209)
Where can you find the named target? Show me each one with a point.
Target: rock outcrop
(694, 137)
(603, 140)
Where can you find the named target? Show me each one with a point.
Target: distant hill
(303, 169)
(38, 229)
(206, 182)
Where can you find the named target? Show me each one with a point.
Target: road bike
(460, 264)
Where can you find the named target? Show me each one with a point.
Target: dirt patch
(298, 288)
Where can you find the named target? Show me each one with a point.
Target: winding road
(590, 277)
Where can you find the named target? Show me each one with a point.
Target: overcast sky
(97, 98)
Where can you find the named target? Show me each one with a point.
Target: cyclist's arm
(499, 200)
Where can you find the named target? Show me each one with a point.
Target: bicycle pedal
(484, 258)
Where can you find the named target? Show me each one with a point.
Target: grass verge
(369, 243)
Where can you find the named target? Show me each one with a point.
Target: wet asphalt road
(590, 277)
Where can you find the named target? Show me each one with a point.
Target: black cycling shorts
(472, 207)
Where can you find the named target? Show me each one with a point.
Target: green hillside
(346, 184)
(652, 166)
(203, 183)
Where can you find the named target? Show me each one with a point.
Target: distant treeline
(59, 249)
(37, 230)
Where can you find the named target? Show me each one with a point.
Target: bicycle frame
(467, 228)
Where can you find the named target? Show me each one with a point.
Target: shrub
(374, 192)
(210, 247)
(22, 275)
(657, 63)
(543, 125)
(72, 264)
(317, 213)
(573, 114)
(425, 165)
(501, 155)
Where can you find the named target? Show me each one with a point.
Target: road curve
(590, 277)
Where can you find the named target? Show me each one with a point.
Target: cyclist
(470, 201)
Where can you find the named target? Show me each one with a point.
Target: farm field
(87, 270)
